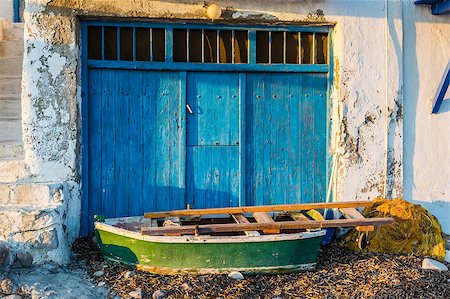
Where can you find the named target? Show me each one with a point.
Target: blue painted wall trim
(84, 228)
(438, 7)
(186, 66)
(428, 2)
(16, 11)
(442, 89)
(329, 103)
(441, 8)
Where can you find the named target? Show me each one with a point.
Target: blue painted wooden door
(160, 140)
(135, 139)
(212, 140)
(286, 138)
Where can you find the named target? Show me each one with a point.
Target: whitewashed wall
(427, 136)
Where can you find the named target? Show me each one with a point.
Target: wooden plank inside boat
(240, 218)
(299, 217)
(352, 213)
(263, 217)
(285, 225)
(253, 209)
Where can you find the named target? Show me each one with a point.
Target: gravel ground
(52, 282)
(339, 274)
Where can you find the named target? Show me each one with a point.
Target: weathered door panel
(212, 136)
(213, 99)
(136, 142)
(286, 130)
(212, 176)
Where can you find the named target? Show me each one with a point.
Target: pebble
(13, 296)
(6, 286)
(98, 273)
(159, 294)
(137, 294)
(129, 274)
(186, 286)
(430, 264)
(101, 283)
(236, 275)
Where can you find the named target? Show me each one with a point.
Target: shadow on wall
(425, 137)
(310, 8)
(411, 94)
(393, 188)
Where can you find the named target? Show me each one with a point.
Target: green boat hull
(268, 254)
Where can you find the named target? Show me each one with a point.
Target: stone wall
(32, 222)
(366, 102)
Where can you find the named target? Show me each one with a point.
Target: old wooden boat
(256, 239)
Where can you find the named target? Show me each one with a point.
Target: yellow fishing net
(415, 230)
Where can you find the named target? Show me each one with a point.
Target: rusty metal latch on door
(189, 109)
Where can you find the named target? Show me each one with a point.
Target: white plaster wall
(7, 10)
(427, 136)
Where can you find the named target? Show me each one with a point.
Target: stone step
(11, 48)
(11, 130)
(10, 86)
(11, 66)
(29, 194)
(10, 108)
(11, 151)
(12, 170)
(32, 229)
(11, 31)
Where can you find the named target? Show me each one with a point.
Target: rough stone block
(31, 194)
(46, 239)
(5, 194)
(12, 170)
(34, 223)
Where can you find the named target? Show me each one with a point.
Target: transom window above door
(205, 44)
